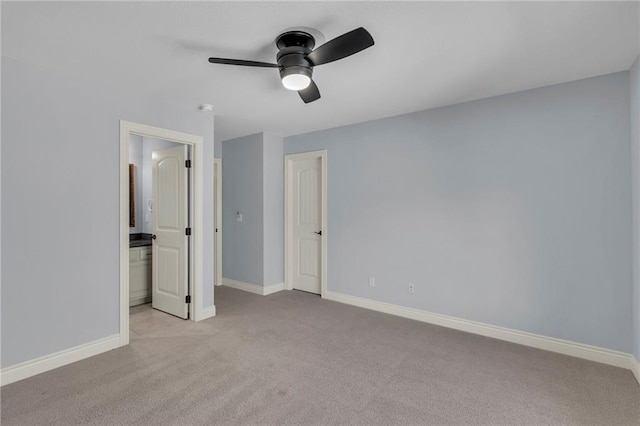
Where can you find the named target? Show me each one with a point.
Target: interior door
(170, 258)
(307, 222)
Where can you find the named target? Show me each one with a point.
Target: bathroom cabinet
(139, 275)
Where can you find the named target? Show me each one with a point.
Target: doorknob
(153, 237)
(319, 232)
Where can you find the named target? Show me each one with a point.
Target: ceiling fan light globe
(296, 81)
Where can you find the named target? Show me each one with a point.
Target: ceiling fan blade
(310, 94)
(340, 47)
(242, 62)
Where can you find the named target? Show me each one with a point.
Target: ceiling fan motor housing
(296, 57)
(294, 46)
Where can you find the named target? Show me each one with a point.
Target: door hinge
(187, 299)
(187, 164)
(187, 231)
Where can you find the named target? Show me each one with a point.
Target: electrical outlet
(372, 281)
(411, 288)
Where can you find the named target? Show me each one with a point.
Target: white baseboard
(636, 368)
(139, 301)
(273, 288)
(240, 285)
(578, 350)
(253, 288)
(206, 312)
(58, 359)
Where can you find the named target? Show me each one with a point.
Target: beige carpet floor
(292, 358)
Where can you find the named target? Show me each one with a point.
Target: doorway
(190, 146)
(159, 254)
(217, 197)
(306, 222)
(159, 206)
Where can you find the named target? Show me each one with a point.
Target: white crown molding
(58, 359)
(578, 350)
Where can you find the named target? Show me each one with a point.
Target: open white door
(307, 224)
(170, 221)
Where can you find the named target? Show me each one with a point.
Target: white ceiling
(427, 54)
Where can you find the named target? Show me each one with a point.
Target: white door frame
(288, 217)
(218, 224)
(196, 311)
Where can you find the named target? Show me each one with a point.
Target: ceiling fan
(296, 58)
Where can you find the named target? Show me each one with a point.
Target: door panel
(306, 224)
(309, 257)
(170, 219)
(168, 269)
(167, 200)
(308, 194)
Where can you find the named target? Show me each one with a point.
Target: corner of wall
(638, 29)
(634, 89)
(217, 149)
(273, 209)
(635, 369)
(242, 192)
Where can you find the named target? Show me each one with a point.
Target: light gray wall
(148, 146)
(242, 243)
(273, 199)
(135, 158)
(60, 205)
(253, 184)
(218, 149)
(513, 210)
(634, 91)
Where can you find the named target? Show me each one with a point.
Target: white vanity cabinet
(139, 275)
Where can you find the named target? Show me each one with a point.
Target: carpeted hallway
(292, 358)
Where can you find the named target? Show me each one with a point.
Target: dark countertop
(139, 240)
